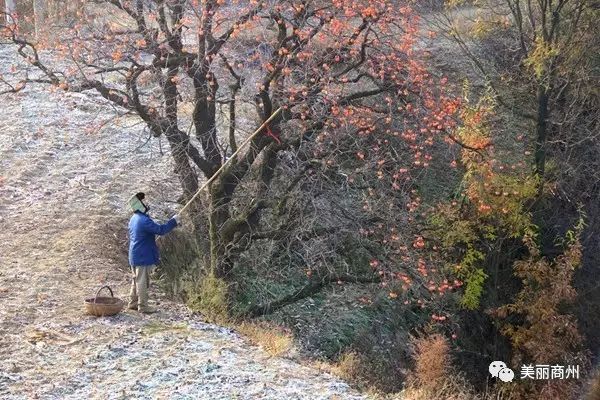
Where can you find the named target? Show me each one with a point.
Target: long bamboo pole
(214, 176)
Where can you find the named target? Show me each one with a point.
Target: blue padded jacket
(142, 233)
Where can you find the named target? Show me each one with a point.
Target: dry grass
(348, 366)
(449, 391)
(434, 376)
(357, 370)
(432, 379)
(370, 374)
(432, 361)
(211, 299)
(272, 338)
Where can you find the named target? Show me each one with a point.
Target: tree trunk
(204, 116)
(185, 172)
(197, 212)
(220, 265)
(10, 8)
(40, 13)
(543, 97)
(310, 289)
(61, 11)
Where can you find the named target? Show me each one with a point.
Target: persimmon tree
(347, 73)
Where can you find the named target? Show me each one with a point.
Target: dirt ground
(63, 185)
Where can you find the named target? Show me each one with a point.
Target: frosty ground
(65, 174)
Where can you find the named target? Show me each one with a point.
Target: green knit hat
(136, 203)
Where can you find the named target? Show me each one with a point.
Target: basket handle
(98, 292)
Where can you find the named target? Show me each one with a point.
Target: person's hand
(177, 218)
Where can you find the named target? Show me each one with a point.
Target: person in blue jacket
(143, 252)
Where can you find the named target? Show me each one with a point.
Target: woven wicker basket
(103, 306)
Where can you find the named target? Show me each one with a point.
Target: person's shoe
(132, 305)
(147, 309)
